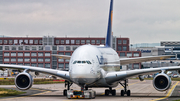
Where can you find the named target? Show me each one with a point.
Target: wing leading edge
(62, 74)
(112, 77)
(125, 61)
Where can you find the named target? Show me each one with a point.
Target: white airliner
(97, 66)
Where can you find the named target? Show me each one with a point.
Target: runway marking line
(169, 93)
(28, 95)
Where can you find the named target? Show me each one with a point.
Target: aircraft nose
(82, 75)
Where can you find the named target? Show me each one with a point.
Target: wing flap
(62, 56)
(125, 61)
(112, 77)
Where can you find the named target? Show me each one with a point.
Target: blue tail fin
(109, 30)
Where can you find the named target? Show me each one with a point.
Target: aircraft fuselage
(89, 64)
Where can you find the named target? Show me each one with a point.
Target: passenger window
(83, 61)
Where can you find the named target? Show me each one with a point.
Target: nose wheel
(125, 91)
(68, 84)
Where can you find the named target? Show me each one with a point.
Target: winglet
(109, 30)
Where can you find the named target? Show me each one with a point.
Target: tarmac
(140, 91)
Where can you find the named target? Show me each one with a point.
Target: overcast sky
(143, 21)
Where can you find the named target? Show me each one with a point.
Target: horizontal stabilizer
(62, 56)
(125, 61)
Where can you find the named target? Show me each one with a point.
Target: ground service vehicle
(82, 94)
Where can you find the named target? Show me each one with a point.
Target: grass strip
(9, 92)
(36, 81)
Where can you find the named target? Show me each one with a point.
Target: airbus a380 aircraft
(97, 66)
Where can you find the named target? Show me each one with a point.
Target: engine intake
(162, 82)
(178, 71)
(23, 81)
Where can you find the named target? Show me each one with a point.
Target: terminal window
(0, 41)
(62, 41)
(6, 54)
(33, 54)
(33, 59)
(72, 41)
(119, 41)
(13, 48)
(13, 54)
(87, 41)
(20, 54)
(10, 41)
(97, 41)
(57, 41)
(102, 41)
(92, 41)
(6, 59)
(33, 47)
(5, 41)
(82, 41)
(77, 41)
(13, 59)
(26, 41)
(124, 41)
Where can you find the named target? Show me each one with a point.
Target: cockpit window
(88, 62)
(83, 62)
(74, 62)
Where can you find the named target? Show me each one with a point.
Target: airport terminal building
(36, 51)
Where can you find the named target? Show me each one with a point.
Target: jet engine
(162, 82)
(23, 81)
(178, 71)
(141, 77)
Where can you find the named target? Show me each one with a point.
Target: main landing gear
(68, 84)
(110, 91)
(125, 91)
(113, 91)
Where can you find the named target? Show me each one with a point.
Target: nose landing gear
(68, 84)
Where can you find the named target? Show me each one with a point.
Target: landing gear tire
(94, 95)
(128, 93)
(113, 92)
(125, 91)
(122, 92)
(107, 92)
(90, 95)
(65, 92)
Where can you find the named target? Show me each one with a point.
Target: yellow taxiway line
(169, 93)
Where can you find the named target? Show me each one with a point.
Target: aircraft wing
(62, 74)
(125, 61)
(61, 56)
(112, 77)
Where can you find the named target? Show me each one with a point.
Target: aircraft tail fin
(109, 29)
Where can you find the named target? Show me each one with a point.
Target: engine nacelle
(23, 81)
(178, 71)
(141, 77)
(162, 82)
